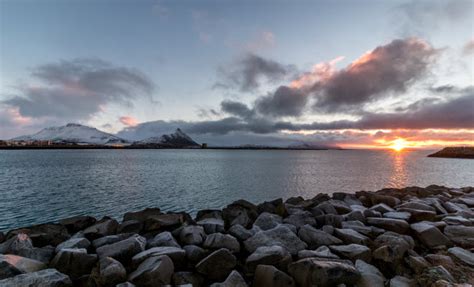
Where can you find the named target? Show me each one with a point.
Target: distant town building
(204, 145)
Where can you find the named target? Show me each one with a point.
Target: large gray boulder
(353, 252)
(109, 272)
(457, 220)
(356, 225)
(419, 215)
(266, 221)
(77, 223)
(192, 235)
(241, 233)
(330, 219)
(401, 281)
(104, 227)
(110, 239)
(461, 235)
(11, 265)
(74, 262)
(340, 206)
(268, 255)
(22, 245)
(429, 235)
(390, 224)
(316, 238)
(217, 265)
(280, 235)
(321, 272)
(391, 247)
(212, 225)
(269, 276)
(233, 280)
(74, 243)
(370, 276)
(130, 226)
(219, 240)
(194, 253)
(322, 251)
(351, 236)
(327, 208)
(42, 278)
(163, 221)
(164, 238)
(301, 218)
(382, 208)
(464, 255)
(403, 215)
(177, 255)
(186, 278)
(123, 250)
(141, 215)
(154, 271)
(416, 205)
(240, 212)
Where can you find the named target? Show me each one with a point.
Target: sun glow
(398, 144)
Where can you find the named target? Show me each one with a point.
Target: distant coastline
(455, 152)
(77, 136)
(77, 146)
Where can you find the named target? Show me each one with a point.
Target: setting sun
(398, 144)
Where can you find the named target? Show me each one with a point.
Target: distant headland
(455, 152)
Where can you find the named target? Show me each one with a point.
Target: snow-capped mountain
(73, 133)
(178, 139)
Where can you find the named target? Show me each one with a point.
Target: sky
(353, 74)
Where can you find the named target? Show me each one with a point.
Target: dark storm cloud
(455, 114)
(247, 72)
(377, 74)
(434, 113)
(285, 101)
(236, 108)
(78, 89)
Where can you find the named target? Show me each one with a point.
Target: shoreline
(144, 147)
(413, 235)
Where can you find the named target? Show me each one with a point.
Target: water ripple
(41, 186)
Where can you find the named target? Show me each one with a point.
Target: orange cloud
(320, 72)
(129, 121)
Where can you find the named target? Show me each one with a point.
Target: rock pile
(393, 237)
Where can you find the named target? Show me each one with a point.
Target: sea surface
(38, 186)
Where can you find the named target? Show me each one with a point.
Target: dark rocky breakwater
(455, 152)
(393, 237)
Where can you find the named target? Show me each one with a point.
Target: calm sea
(39, 186)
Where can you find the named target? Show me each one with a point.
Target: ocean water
(38, 186)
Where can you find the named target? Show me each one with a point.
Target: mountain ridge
(73, 133)
(82, 134)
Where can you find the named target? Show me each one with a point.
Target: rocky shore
(393, 237)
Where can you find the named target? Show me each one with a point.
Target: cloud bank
(78, 89)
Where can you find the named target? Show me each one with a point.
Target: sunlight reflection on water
(399, 175)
